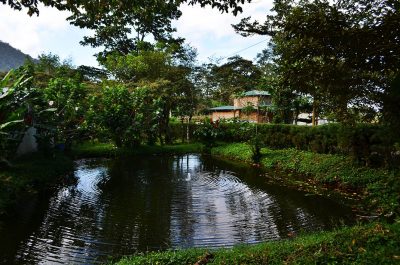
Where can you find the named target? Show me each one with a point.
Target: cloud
(212, 34)
(26, 33)
(48, 32)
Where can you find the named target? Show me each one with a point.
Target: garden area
(122, 164)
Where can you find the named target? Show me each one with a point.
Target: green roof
(257, 93)
(223, 108)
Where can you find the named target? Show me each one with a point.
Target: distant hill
(10, 57)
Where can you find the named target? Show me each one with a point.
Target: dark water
(119, 207)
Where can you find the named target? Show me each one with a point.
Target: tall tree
(165, 70)
(235, 76)
(343, 53)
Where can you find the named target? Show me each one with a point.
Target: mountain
(10, 57)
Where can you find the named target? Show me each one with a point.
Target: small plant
(208, 132)
(256, 143)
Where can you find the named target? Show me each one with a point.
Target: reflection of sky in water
(221, 210)
(145, 203)
(63, 236)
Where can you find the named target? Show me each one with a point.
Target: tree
(68, 97)
(283, 96)
(343, 53)
(206, 83)
(114, 112)
(165, 70)
(235, 76)
(90, 7)
(49, 66)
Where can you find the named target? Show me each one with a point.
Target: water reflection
(118, 207)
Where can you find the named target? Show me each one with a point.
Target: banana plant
(13, 95)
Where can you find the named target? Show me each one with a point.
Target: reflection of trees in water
(182, 212)
(128, 211)
(138, 195)
(17, 228)
(269, 211)
(145, 203)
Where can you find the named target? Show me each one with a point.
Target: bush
(209, 132)
(368, 144)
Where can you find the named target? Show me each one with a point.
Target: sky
(205, 29)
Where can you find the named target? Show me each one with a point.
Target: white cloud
(212, 34)
(48, 32)
(26, 33)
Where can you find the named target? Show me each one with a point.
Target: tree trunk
(183, 129)
(188, 129)
(167, 130)
(315, 113)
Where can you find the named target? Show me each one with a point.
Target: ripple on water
(120, 207)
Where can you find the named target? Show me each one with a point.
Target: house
(252, 106)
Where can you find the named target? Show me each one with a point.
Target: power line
(242, 50)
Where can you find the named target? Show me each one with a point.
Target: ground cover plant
(374, 243)
(376, 188)
(90, 149)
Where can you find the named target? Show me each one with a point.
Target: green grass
(374, 243)
(90, 149)
(94, 149)
(378, 190)
(30, 175)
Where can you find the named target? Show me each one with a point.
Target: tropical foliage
(13, 95)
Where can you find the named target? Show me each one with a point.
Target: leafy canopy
(343, 53)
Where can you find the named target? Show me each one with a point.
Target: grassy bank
(377, 190)
(93, 149)
(30, 175)
(373, 243)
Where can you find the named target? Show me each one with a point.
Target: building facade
(252, 106)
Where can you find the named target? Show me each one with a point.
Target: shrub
(368, 144)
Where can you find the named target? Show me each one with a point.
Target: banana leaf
(4, 125)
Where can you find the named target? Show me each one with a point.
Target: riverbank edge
(369, 191)
(374, 243)
(93, 150)
(29, 176)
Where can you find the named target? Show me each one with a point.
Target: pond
(117, 207)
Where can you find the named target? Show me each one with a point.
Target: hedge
(368, 144)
